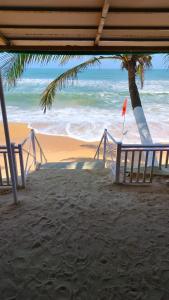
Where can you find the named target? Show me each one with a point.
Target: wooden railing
(33, 154)
(5, 177)
(27, 157)
(132, 163)
(138, 163)
(106, 149)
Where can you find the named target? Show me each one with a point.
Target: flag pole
(124, 109)
(124, 122)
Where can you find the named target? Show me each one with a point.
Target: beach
(75, 235)
(92, 103)
(56, 148)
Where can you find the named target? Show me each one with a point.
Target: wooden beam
(85, 50)
(49, 38)
(76, 39)
(4, 40)
(35, 26)
(139, 10)
(123, 27)
(102, 21)
(86, 27)
(142, 27)
(138, 39)
(48, 9)
(83, 9)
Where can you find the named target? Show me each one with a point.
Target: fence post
(8, 143)
(14, 161)
(33, 147)
(104, 146)
(21, 165)
(118, 161)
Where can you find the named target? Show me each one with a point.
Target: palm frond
(14, 64)
(64, 79)
(143, 62)
(146, 60)
(64, 59)
(166, 60)
(140, 73)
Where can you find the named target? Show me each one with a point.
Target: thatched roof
(84, 25)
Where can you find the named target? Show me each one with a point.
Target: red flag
(124, 107)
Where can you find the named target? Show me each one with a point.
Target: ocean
(92, 103)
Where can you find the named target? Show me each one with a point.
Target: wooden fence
(27, 156)
(132, 163)
(5, 178)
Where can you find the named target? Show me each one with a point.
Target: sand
(56, 148)
(76, 236)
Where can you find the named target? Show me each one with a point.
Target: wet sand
(56, 148)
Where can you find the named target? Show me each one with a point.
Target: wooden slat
(6, 167)
(143, 44)
(41, 9)
(118, 163)
(1, 181)
(145, 166)
(132, 166)
(46, 26)
(15, 164)
(160, 159)
(51, 9)
(167, 157)
(139, 164)
(52, 38)
(125, 165)
(53, 42)
(21, 160)
(83, 26)
(152, 166)
(136, 39)
(105, 48)
(156, 146)
(82, 39)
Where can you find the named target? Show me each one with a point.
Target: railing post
(104, 146)
(8, 143)
(118, 161)
(33, 147)
(21, 165)
(14, 161)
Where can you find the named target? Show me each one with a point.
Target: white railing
(27, 157)
(33, 154)
(106, 148)
(132, 163)
(5, 177)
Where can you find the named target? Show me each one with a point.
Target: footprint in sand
(63, 293)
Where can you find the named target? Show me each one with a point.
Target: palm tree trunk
(141, 122)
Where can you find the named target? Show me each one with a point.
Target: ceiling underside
(87, 26)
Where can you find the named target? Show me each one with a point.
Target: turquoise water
(92, 103)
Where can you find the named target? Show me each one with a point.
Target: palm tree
(13, 66)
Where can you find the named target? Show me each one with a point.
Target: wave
(88, 123)
(88, 106)
(157, 87)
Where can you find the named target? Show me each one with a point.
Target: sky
(157, 61)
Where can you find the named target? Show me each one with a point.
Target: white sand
(76, 236)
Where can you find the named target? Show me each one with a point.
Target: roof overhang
(84, 26)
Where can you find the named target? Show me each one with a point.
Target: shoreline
(56, 148)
